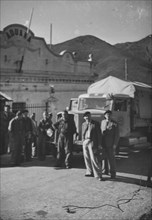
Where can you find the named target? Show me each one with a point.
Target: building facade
(33, 75)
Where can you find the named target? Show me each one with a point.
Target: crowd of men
(25, 139)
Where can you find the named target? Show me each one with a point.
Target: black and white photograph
(75, 109)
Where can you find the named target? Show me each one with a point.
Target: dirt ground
(37, 190)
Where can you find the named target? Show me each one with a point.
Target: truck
(130, 103)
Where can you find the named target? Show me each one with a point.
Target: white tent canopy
(114, 86)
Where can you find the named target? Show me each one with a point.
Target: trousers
(111, 160)
(92, 163)
(28, 149)
(64, 150)
(42, 146)
(16, 150)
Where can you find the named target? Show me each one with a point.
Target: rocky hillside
(135, 58)
(141, 49)
(85, 45)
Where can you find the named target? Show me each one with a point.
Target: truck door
(121, 113)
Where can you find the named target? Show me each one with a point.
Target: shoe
(100, 178)
(113, 177)
(12, 165)
(15, 165)
(58, 165)
(149, 183)
(29, 159)
(89, 175)
(68, 167)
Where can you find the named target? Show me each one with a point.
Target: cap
(108, 112)
(86, 114)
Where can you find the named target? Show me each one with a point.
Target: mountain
(141, 49)
(85, 45)
(133, 58)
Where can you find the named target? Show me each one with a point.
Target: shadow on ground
(137, 163)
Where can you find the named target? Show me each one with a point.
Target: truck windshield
(93, 103)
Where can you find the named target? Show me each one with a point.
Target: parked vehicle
(130, 103)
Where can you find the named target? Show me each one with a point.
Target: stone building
(36, 77)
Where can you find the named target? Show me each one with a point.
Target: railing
(38, 109)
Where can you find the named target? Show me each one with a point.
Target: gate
(38, 109)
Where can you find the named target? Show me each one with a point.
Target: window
(94, 103)
(120, 105)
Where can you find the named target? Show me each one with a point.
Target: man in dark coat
(66, 129)
(28, 135)
(110, 138)
(8, 115)
(16, 129)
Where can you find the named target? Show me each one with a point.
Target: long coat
(110, 133)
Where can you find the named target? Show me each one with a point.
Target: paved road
(37, 191)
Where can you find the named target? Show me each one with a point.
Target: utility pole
(50, 35)
(126, 70)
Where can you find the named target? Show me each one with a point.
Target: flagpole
(27, 31)
(30, 21)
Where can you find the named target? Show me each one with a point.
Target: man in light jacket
(91, 137)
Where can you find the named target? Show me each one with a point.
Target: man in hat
(91, 137)
(66, 129)
(110, 138)
(16, 129)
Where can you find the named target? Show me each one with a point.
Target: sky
(113, 21)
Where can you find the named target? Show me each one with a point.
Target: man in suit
(110, 138)
(91, 137)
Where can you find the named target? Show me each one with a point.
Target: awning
(4, 97)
